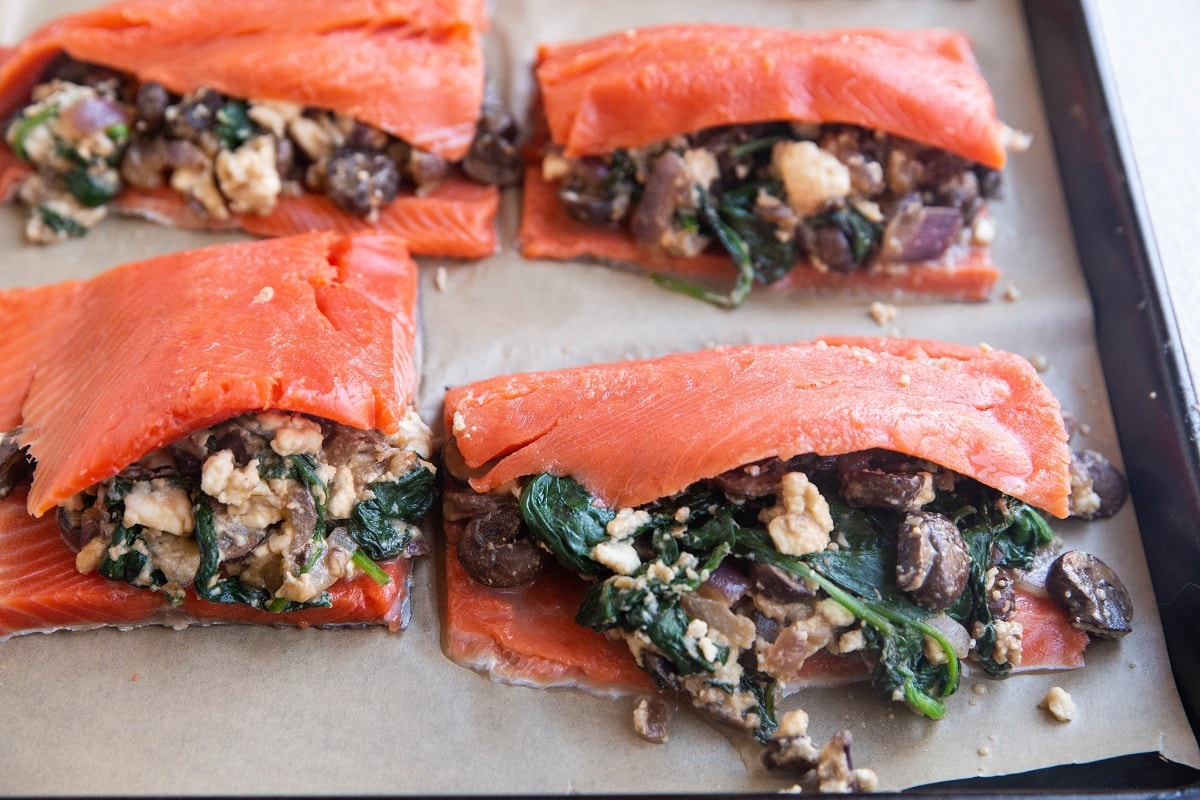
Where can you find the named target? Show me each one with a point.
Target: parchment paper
(265, 711)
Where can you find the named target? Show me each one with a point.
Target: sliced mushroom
(652, 719)
(1091, 593)
(78, 527)
(753, 480)
(873, 488)
(776, 585)
(592, 193)
(234, 540)
(932, 562)
(1098, 489)
(151, 104)
(789, 747)
(493, 157)
(670, 187)
(361, 181)
(497, 551)
(15, 464)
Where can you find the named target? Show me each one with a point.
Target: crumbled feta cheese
(293, 433)
(812, 177)
(159, 505)
(341, 494)
(799, 523)
(983, 231)
(618, 556)
(626, 523)
(222, 479)
(835, 613)
(200, 184)
(701, 166)
(555, 167)
(274, 115)
(413, 434)
(89, 557)
(793, 723)
(249, 177)
(658, 571)
(1008, 643)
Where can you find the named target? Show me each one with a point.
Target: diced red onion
(93, 114)
(726, 584)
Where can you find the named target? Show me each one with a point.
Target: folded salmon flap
(318, 324)
(411, 67)
(921, 84)
(980, 412)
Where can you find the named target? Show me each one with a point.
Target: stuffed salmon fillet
(223, 434)
(283, 117)
(858, 159)
(776, 516)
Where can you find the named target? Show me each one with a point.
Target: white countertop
(1154, 66)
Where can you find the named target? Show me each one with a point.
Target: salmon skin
(409, 69)
(856, 159)
(223, 379)
(768, 536)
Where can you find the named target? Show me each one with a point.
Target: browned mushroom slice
(15, 465)
(753, 480)
(652, 719)
(932, 561)
(873, 488)
(670, 187)
(1098, 489)
(1093, 596)
(494, 157)
(78, 527)
(497, 551)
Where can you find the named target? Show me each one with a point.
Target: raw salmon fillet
(101, 372)
(978, 411)
(413, 68)
(921, 85)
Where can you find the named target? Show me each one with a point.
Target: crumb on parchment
(882, 313)
(1059, 703)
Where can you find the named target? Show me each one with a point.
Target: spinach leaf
(1007, 535)
(651, 606)
(233, 124)
(770, 258)
(562, 515)
(862, 233)
(60, 223)
(207, 584)
(134, 556)
(895, 628)
(91, 190)
(377, 525)
(23, 126)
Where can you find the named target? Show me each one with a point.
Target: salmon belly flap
(808, 514)
(853, 160)
(376, 110)
(222, 434)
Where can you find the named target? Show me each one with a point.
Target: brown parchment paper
(265, 711)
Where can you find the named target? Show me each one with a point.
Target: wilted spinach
(567, 519)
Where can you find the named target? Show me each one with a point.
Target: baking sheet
(264, 711)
